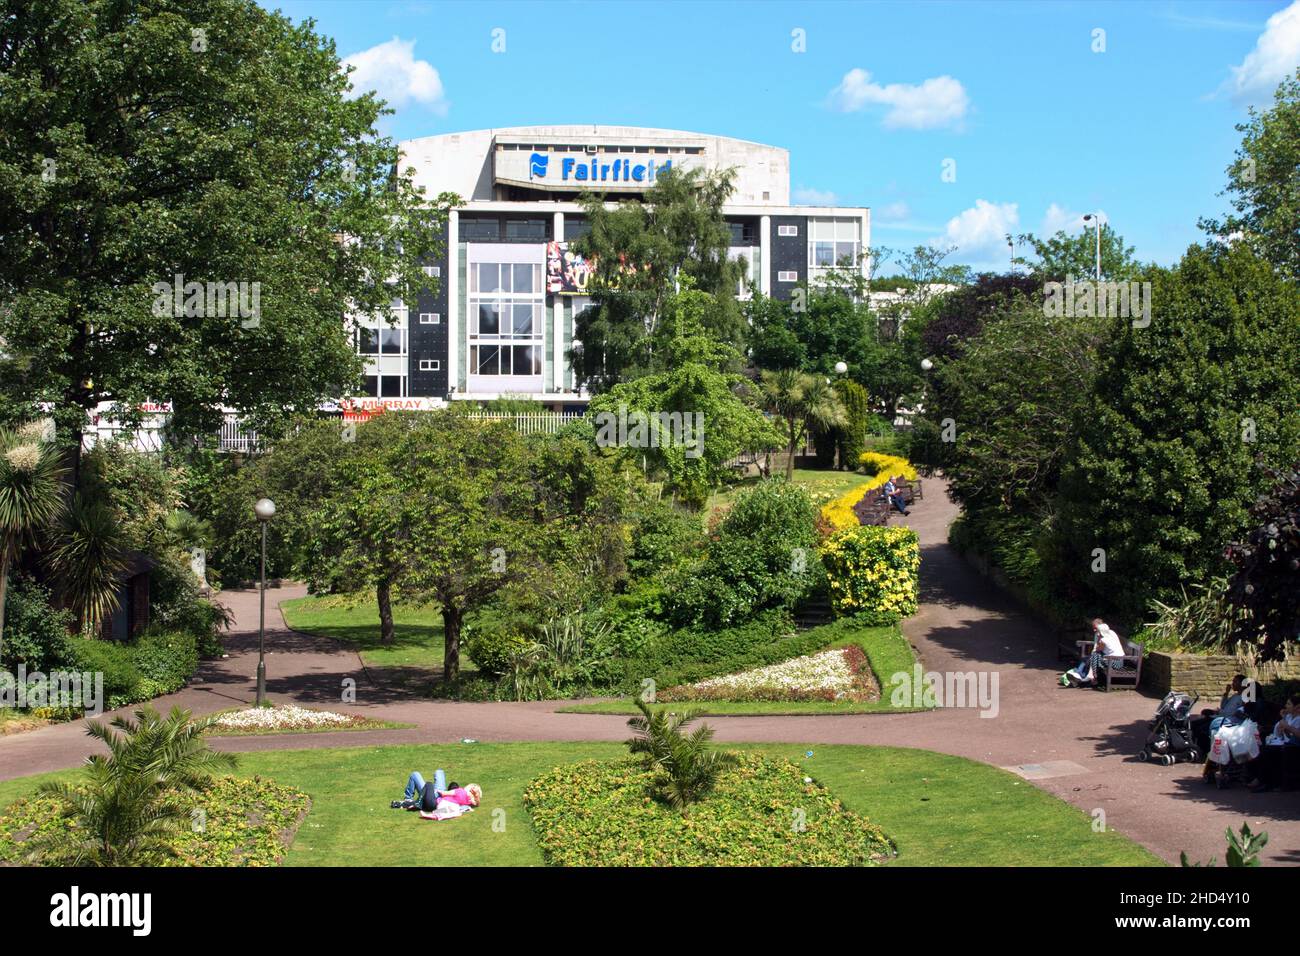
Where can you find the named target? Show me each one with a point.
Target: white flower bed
(825, 671)
(284, 717)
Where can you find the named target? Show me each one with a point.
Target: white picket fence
(530, 423)
(149, 436)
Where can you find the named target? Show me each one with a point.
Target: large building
(509, 286)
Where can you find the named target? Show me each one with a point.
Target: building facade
(509, 286)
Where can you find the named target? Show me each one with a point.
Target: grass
(417, 630)
(827, 484)
(885, 647)
(941, 810)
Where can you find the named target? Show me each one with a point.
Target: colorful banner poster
(567, 273)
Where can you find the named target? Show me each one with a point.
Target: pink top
(459, 795)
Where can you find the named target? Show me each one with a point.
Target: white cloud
(807, 196)
(391, 70)
(934, 103)
(980, 233)
(1276, 56)
(893, 212)
(1058, 217)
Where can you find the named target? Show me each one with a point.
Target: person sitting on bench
(891, 492)
(1267, 767)
(1107, 651)
(1231, 708)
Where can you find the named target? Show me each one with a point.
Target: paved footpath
(1078, 745)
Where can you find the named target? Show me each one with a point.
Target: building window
(507, 309)
(430, 365)
(748, 257)
(787, 277)
(480, 230)
(433, 272)
(382, 341)
(832, 243)
(787, 230)
(385, 386)
(525, 230)
(430, 318)
(575, 227)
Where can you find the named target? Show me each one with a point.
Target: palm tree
(687, 768)
(31, 496)
(132, 803)
(801, 401)
(88, 557)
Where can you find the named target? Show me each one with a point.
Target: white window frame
(430, 365)
(787, 230)
(430, 318)
(433, 272)
(787, 276)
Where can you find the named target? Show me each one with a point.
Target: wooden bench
(872, 509)
(1129, 674)
(910, 490)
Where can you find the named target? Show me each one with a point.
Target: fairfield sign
(606, 171)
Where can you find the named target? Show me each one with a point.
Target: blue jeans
(1095, 662)
(415, 784)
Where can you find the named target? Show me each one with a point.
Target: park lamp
(265, 510)
(841, 368)
(926, 365)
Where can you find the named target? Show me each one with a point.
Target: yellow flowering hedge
(873, 568)
(839, 512)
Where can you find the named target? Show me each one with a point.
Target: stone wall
(1208, 674)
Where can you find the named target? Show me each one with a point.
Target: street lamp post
(1095, 219)
(264, 509)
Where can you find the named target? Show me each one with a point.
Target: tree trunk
(384, 595)
(452, 616)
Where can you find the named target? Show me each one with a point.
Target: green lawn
(828, 484)
(885, 647)
(417, 637)
(941, 810)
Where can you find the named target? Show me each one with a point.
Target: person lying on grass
(419, 795)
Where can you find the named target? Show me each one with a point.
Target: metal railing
(530, 423)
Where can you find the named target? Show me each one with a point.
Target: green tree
(643, 252)
(686, 767)
(132, 802)
(211, 140)
(30, 496)
(1161, 476)
(697, 392)
(802, 402)
(1264, 181)
(1074, 256)
(87, 557)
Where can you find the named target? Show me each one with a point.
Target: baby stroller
(1170, 740)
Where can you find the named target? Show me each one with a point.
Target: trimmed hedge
(761, 813)
(158, 662)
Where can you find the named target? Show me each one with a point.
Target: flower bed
(839, 674)
(283, 717)
(763, 812)
(238, 822)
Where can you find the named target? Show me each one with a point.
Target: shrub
(167, 658)
(606, 819)
(685, 769)
(662, 535)
(176, 605)
(36, 634)
(759, 559)
(122, 681)
(873, 569)
(491, 643)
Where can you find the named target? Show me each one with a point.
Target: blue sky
(1042, 117)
